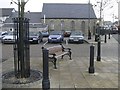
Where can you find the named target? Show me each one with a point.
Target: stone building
(61, 16)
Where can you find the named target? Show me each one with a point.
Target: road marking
(66, 41)
(45, 43)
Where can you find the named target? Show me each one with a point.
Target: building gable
(35, 17)
(6, 11)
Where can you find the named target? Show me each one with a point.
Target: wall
(79, 24)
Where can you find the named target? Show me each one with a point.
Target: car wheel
(48, 41)
(38, 41)
(41, 40)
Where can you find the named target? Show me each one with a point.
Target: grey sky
(36, 6)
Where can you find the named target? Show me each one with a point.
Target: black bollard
(45, 81)
(105, 38)
(99, 50)
(89, 35)
(109, 36)
(91, 67)
(96, 37)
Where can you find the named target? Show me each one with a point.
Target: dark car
(35, 37)
(56, 36)
(76, 36)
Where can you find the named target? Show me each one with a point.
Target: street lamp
(100, 11)
(89, 32)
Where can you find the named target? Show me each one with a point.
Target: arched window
(72, 25)
(83, 26)
(52, 27)
(62, 24)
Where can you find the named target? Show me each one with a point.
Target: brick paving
(73, 73)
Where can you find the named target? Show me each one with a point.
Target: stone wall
(78, 24)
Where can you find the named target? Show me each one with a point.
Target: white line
(45, 43)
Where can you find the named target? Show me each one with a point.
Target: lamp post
(100, 11)
(89, 32)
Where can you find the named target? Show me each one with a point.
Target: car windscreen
(76, 33)
(33, 34)
(56, 33)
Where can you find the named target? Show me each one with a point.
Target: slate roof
(6, 11)
(64, 10)
(34, 17)
(30, 25)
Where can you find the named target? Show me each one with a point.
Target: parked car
(56, 36)
(35, 37)
(9, 38)
(45, 33)
(67, 33)
(2, 34)
(76, 36)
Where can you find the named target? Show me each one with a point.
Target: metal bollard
(89, 35)
(45, 81)
(91, 67)
(109, 36)
(105, 38)
(96, 38)
(99, 51)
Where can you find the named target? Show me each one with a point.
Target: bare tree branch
(14, 2)
(26, 1)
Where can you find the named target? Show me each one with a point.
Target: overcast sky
(36, 6)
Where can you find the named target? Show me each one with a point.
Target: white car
(2, 34)
(76, 36)
(9, 38)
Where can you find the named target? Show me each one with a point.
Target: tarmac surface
(73, 74)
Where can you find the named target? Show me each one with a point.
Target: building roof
(6, 11)
(64, 10)
(30, 25)
(35, 17)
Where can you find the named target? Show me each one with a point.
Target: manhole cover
(10, 78)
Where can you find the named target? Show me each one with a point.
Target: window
(51, 25)
(83, 26)
(72, 25)
(62, 25)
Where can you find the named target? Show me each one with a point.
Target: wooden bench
(58, 51)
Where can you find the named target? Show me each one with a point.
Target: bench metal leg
(54, 62)
(70, 55)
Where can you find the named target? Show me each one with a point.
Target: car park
(35, 37)
(56, 36)
(76, 36)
